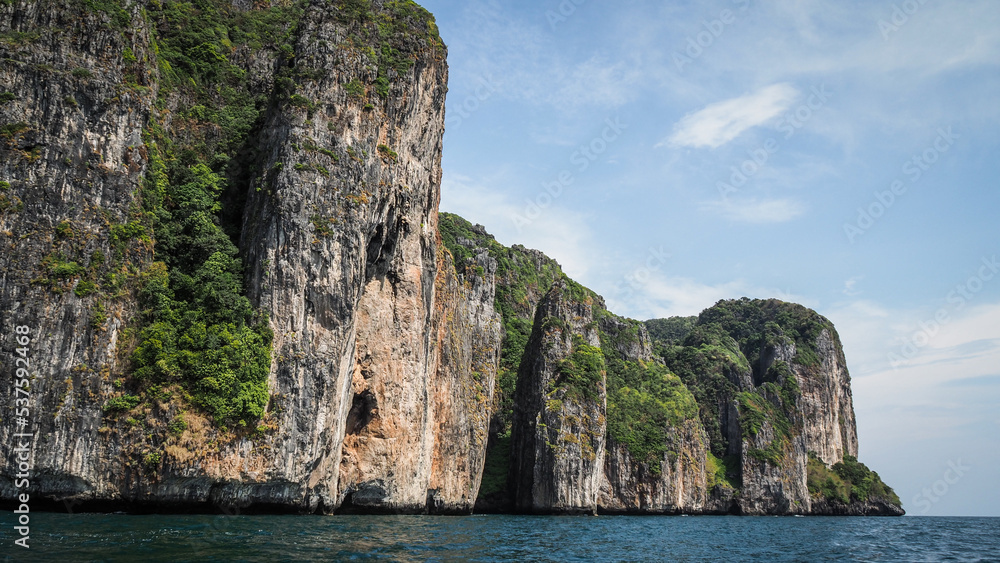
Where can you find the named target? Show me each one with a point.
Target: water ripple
(115, 537)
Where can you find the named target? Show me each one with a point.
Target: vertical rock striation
(668, 476)
(71, 162)
(468, 335)
(827, 404)
(383, 360)
(679, 486)
(560, 408)
(774, 391)
(344, 263)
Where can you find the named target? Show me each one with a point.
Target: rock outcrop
(222, 234)
(468, 337)
(71, 166)
(384, 359)
(350, 292)
(763, 395)
(827, 404)
(773, 380)
(679, 486)
(560, 408)
(673, 482)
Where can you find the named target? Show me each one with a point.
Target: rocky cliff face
(221, 231)
(560, 408)
(630, 486)
(71, 163)
(773, 381)
(344, 264)
(590, 388)
(763, 394)
(827, 404)
(673, 479)
(468, 336)
(383, 358)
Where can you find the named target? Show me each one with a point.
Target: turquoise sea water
(112, 537)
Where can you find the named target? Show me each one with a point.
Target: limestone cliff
(560, 408)
(523, 277)
(71, 164)
(656, 461)
(468, 333)
(221, 229)
(746, 409)
(774, 392)
(325, 120)
(678, 486)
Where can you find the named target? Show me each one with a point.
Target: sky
(839, 154)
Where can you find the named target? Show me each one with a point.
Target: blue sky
(837, 154)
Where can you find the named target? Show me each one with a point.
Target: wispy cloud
(527, 64)
(979, 381)
(757, 212)
(851, 286)
(721, 122)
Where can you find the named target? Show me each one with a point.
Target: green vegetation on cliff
(201, 330)
(645, 400)
(198, 329)
(582, 373)
(402, 28)
(197, 333)
(645, 403)
(757, 324)
(724, 473)
(730, 343)
(707, 363)
(522, 278)
(671, 331)
(847, 481)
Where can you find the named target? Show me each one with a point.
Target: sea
(65, 538)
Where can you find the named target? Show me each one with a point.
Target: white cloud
(596, 82)
(850, 286)
(959, 341)
(839, 43)
(757, 212)
(721, 122)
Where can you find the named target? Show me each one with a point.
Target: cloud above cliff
(659, 295)
(758, 212)
(721, 122)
